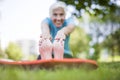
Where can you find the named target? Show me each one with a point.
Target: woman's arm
(45, 31)
(68, 29)
(65, 31)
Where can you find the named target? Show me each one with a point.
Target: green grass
(105, 71)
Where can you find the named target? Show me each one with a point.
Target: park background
(96, 37)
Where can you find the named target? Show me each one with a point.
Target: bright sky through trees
(20, 19)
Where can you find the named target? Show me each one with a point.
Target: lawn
(105, 71)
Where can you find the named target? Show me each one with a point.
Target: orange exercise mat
(73, 62)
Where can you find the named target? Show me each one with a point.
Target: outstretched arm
(45, 31)
(68, 29)
(65, 31)
(45, 45)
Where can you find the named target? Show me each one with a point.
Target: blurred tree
(116, 40)
(96, 32)
(112, 43)
(13, 51)
(113, 39)
(105, 27)
(102, 10)
(79, 41)
(94, 7)
(2, 54)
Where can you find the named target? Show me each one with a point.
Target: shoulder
(70, 20)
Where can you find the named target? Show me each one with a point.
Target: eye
(61, 14)
(54, 14)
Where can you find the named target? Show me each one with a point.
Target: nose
(58, 18)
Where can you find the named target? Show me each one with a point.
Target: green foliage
(103, 13)
(116, 41)
(32, 57)
(96, 54)
(79, 41)
(112, 42)
(113, 16)
(93, 7)
(13, 51)
(2, 54)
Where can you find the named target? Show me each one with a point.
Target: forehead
(59, 10)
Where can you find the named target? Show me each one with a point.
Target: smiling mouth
(58, 25)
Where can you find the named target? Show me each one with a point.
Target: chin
(58, 26)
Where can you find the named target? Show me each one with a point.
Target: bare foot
(58, 48)
(45, 49)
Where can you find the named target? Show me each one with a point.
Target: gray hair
(56, 5)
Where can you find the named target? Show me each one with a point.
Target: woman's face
(58, 17)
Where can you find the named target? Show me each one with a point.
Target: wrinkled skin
(58, 48)
(45, 49)
(58, 17)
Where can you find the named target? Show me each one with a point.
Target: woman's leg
(67, 55)
(39, 57)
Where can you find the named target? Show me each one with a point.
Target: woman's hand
(60, 35)
(44, 37)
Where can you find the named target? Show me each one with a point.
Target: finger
(57, 39)
(50, 38)
(41, 40)
(40, 36)
(61, 41)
